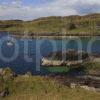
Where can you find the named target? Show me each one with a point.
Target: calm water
(20, 65)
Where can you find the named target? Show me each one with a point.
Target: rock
(88, 88)
(74, 63)
(1, 71)
(14, 75)
(47, 62)
(97, 89)
(70, 55)
(67, 58)
(29, 74)
(73, 85)
(4, 93)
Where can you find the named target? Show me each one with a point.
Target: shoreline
(54, 37)
(50, 35)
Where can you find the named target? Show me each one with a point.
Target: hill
(55, 26)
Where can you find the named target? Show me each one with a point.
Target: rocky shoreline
(48, 62)
(67, 58)
(87, 82)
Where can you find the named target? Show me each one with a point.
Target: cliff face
(54, 26)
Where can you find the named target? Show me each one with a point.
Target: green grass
(40, 87)
(57, 69)
(84, 24)
(45, 88)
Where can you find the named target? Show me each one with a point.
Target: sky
(32, 9)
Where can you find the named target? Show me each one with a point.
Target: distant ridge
(69, 25)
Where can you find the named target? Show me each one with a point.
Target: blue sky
(32, 9)
(27, 2)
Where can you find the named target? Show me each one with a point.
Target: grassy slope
(40, 88)
(84, 24)
(44, 88)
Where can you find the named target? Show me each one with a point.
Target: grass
(89, 25)
(92, 68)
(40, 87)
(57, 69)
(45, 88)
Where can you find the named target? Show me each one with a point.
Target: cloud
(89, 6)
(15, 10)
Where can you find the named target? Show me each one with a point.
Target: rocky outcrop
(48, 62)
(71, 58)
(86, 87)
(90, 83)
(4, 93)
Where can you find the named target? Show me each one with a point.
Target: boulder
(47, 62)
(73, 85)
(4, 93)
(88, 88)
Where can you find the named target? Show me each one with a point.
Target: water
(46, 46)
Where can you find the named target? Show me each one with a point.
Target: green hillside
(69, 25)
